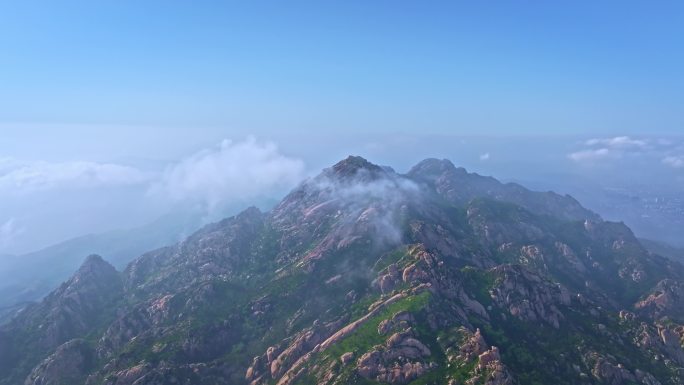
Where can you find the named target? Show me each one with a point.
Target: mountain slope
(363, 275)
(78, 307)
(672, 252)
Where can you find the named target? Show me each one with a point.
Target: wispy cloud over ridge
(232, 171)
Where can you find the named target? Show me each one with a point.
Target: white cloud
(485, 156)
(8, 231)
(618, 142)
(17, 175)
(375, 202)
(590, 155)
(233, 171)
(653, 151)
(674, 161)
(597, 149)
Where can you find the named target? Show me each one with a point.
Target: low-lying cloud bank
(231, 170)
(30, 176)
(669, 152)
(80, 197)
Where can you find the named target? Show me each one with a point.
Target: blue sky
(608, 67)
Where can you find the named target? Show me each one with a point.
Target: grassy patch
(366, 336)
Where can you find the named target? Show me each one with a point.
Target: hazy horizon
(40, 197)
(110, 118)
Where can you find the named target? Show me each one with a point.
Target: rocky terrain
(362, 275)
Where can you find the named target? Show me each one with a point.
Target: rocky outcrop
(216, 251)
(529, 297)
(400, 321)
(400, 360)
(465, 348)
(570, 257)
(69, 364)
(347, 358)
(490, 370)
(605, 368)
(302, 344)
(278, 359)
(163, 374)
(472, 346)
(388, 279)
(662, 341)
(666, 299)
(532, 254)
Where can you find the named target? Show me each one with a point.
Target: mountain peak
(95, 265)
(353, 162)
(93, 260)
(251, 212)
(433, 167)
(352, 166)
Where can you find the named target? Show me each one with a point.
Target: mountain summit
(363, 275)
(352, 165)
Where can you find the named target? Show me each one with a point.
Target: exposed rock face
(473, 346)
(301, 345)
(491, 370)
(66, 365)
(528, 296)
(132, 374)
(666, 299)
(279, 359)
(363, 274)
(399, 321)
(388, 279)
(570, 256)
(216, 251)
(400, 360)
(606, 369)
(347, 357)
(467, 348)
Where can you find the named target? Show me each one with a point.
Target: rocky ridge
(364, 275)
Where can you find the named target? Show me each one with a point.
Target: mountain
(664, 249)
(362, 275)
(29, 277)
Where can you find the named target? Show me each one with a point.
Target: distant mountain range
(29, 277)
(362, 275)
